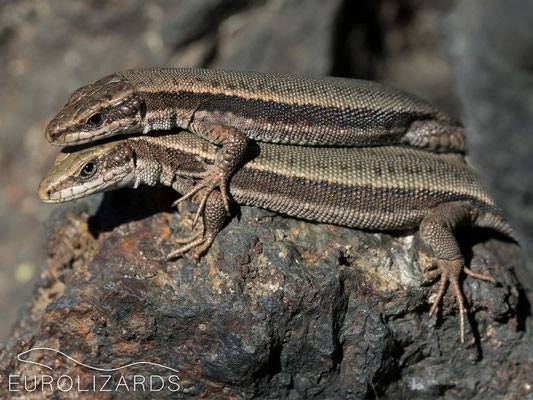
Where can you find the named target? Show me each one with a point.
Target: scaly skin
(385, 188)
(230, 108)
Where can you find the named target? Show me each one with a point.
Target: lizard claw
(198, 241)
(486, 278)
(188, 195)
(210, 181)
(213, 213)
(449, 271)
(216, 175)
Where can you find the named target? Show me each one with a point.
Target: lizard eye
(88, 170)
(95, 120)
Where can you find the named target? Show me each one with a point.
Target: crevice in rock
(340, 308)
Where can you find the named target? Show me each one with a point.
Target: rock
(278, 307)
(280, 36)
(490, 47)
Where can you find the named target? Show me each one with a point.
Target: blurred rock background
(48, 48)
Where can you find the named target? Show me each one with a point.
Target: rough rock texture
(277, 308)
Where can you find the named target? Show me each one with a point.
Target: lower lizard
(382, 188)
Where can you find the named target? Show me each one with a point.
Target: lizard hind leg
(436, 230)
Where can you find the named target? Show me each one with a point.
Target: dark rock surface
(277, 308)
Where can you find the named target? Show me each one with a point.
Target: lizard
(231, 108)
(378, 188)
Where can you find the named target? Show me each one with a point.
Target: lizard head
(110, 106)
(91, 170)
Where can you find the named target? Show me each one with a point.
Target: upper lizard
(229, 108)
(385, 188)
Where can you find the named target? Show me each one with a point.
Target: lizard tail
(493, 219)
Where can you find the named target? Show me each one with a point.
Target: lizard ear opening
(129, 154)
(131, 106)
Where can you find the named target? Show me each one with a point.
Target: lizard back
(281, 109)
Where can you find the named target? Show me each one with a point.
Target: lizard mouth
(47, 194)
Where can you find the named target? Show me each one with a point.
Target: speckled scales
(281, 109)
(375, 188)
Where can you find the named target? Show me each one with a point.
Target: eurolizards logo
(104, 380)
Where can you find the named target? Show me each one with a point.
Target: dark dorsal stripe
(271, 113)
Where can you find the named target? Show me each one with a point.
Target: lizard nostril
(53, 136)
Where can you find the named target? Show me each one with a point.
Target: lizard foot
(211, 180)
(213, 220)
(216, 175)
(199, 241)
(449, 271)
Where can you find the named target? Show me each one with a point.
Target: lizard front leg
(213, 219)
(234, 144)
(436, 230)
